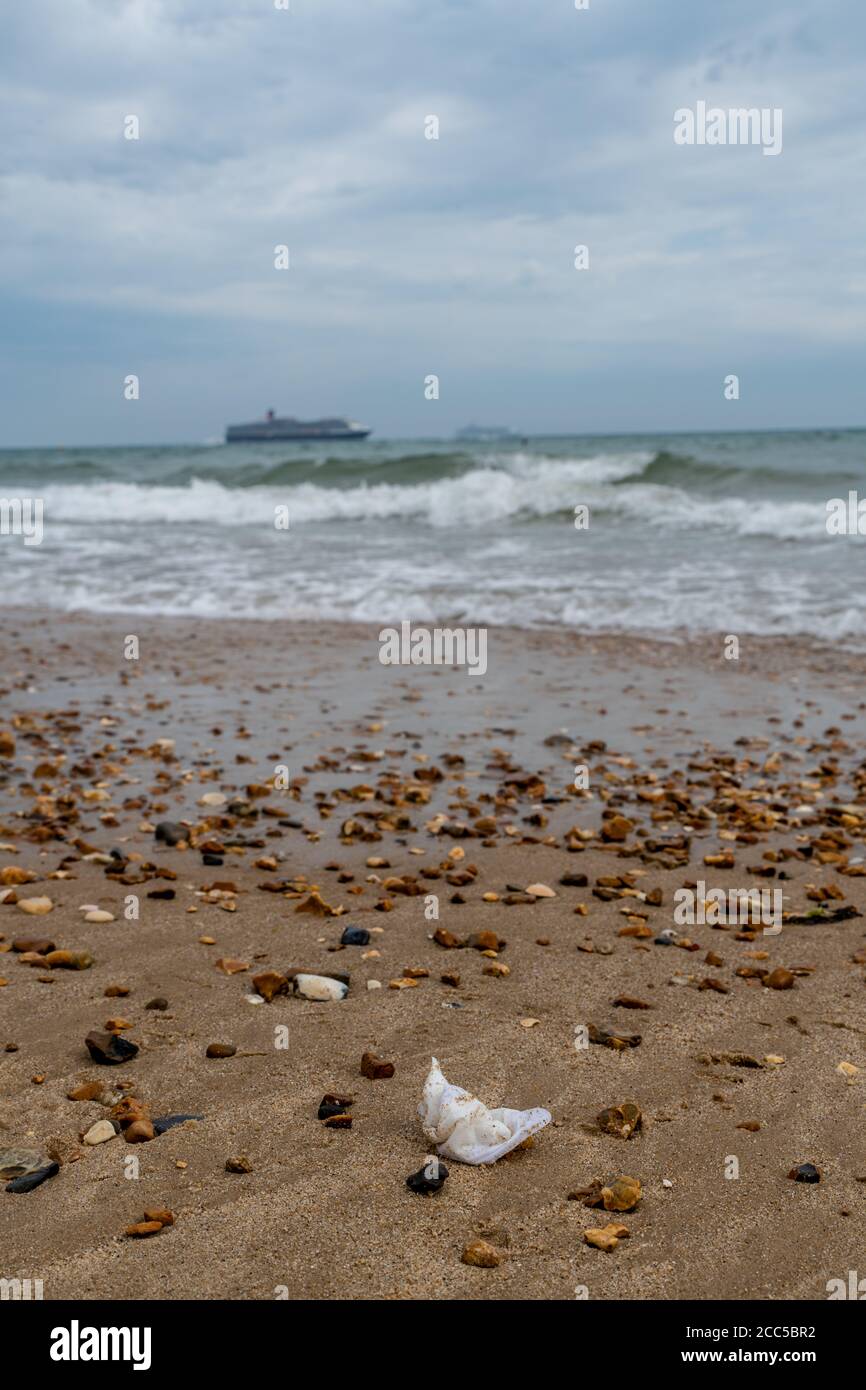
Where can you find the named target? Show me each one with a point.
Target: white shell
(464, 1129)
(319, 987)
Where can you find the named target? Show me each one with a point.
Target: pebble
(450, 978)
(270, 983)
(139, 1132)
(321, 988)
(355, 936)
(540, 890)
(376, 1068)
(430, 1176)
(667, 937)
(480, 1254)
(485, 941)
(170, 833)
(160, 1214)
(28, 1181)
(445, 938)
(158, 1003)
(99, 915)
(622, 1120)
(216, 1049)
(14, 1163)
(169, 1121)
(332, 1104)
(618, 1041)
(38, 945)
(240, 1164)
(803, 1172)
(110, 1049)
(623, 1194)
(36, 907)
(374, 984)
(606, 1237)
(100, 1132)
(779, 979)
(90, 1090)
(144, 1228)
(497, 969)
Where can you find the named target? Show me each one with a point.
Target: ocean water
(687, 533)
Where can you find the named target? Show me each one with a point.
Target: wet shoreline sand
(326, 1214)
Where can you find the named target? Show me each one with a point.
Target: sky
(411, 257)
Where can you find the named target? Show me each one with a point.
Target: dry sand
(326, 1214)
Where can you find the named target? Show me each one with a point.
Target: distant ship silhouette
(287, 427)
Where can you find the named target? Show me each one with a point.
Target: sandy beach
(463, 786)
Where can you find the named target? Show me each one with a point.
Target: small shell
(464, 1129)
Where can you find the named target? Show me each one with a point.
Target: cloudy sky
(411, 256)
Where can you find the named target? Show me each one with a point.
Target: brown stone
(445, 938)
(450, 978)
(780, 978)
(126, 1111)
(231, 967)
(240, 1164)
(622, 1120)
(481, 1255)
(270, 983)
(485, 941)
(144, 1228)
(618, 1041)
(40, 946)
(606, 1237)
(616, 828)
(216, 1049)
(90, 1090)
(376, 1068)
(628, 1001)
(138, 1132)
(160, 1214)
(622, 1195)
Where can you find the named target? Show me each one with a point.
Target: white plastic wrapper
(464, 1129)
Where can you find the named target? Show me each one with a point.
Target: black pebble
(805, 1172)
(355, 936)
(31, 1180)
(419, 1182)
(212, 860)
(169, 1121)
(110, 1049)
(168, 832)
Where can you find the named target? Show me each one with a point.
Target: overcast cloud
(412, 256)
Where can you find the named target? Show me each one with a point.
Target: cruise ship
(275, 427)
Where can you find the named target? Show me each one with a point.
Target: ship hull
(240, 435)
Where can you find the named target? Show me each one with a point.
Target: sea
(682, 533)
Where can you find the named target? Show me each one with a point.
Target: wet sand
(756, 757)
